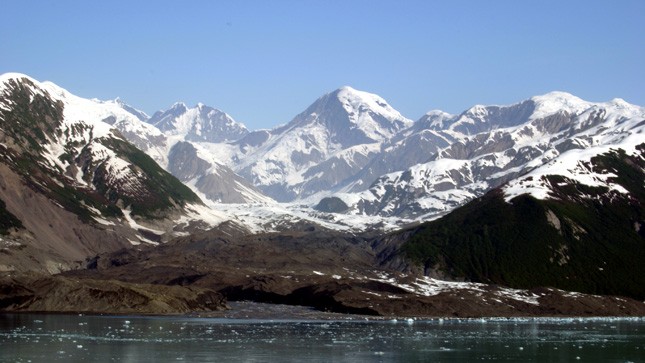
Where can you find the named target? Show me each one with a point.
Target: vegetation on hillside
(585, 239)
(7, 220)
(162, 189)
(33, 120)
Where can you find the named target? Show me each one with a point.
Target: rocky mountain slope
(72, 186)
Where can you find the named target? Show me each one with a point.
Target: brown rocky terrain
(333, 272)
(52, 239)
(64, 294)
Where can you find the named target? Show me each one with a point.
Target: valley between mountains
(529, 209)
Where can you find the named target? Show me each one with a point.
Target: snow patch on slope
(571, 166)
(427, 286)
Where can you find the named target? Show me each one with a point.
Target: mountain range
(446, 196)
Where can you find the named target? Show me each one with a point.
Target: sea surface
(96, 338)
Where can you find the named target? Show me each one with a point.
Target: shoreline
(258, 312)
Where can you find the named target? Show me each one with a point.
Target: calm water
(73, 338)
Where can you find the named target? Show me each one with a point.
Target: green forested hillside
(586, 239)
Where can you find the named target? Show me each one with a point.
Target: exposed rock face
(184, 163)
(332, 205)
(217, 182)
(61, 294)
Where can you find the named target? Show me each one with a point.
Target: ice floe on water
(41, 337)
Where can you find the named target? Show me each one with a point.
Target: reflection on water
(74, 338)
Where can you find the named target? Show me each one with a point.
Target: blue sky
(265, 61)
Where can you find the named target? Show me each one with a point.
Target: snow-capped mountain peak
(142, 116)
(480, 118)
(200, 123)
(325, 144)
(352, 117)
(355, 98)
(14, 76)
(162, 117)
(619, 102)
(433, 120)
(359, 105)
(557, 101)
